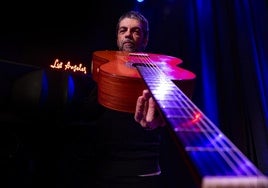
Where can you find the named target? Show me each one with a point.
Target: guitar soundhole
(130, 65)
(134, 64)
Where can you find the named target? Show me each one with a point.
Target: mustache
(128, 41)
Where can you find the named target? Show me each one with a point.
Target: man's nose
(128, 33)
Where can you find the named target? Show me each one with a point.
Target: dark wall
(39, 33)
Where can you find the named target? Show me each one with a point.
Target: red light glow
(197, 117)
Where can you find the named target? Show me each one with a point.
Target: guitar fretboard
(217, 161)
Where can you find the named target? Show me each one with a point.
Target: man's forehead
(130, 22)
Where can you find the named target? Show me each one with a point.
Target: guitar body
(119, 82)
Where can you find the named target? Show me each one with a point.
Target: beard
(127, 45)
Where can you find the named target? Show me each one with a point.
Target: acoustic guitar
(212, 158)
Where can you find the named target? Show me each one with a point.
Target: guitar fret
(186, 124)
(199, 139)
(209, 149)
(213, 164)
(180, 112)
(168, 102)
(166, 97)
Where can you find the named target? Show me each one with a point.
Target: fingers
(146, 94)
(146, 111)
(142, 106)
(140, 110)
(151, 110)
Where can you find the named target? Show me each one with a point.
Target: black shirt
(123, 147)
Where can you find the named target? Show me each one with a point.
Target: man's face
(130, 36)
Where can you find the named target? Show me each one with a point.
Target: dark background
(39, 33)
(224, 42)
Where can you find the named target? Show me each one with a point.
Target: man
(123, 149)
(132, 36)
(127, 152)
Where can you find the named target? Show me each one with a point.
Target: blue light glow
(71, 87)
(44, 90)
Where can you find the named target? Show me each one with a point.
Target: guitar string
(156, 70)
(187, 113)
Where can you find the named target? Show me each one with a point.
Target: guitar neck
(214, 159)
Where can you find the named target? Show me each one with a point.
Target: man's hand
(146, 112)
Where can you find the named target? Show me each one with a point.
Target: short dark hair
(138, 16)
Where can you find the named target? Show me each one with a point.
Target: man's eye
(122, 30)
(137, 32)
